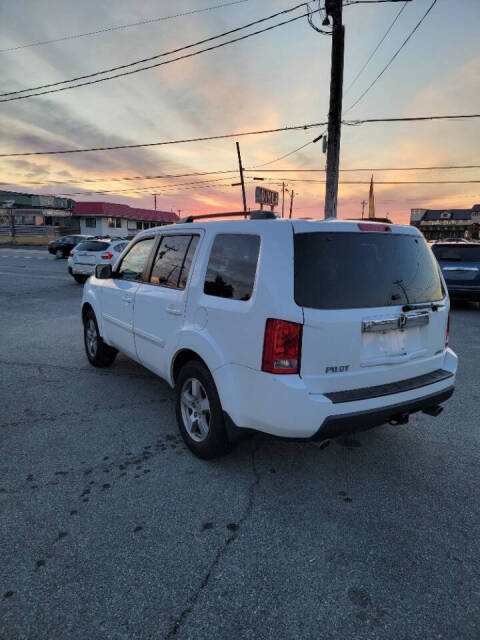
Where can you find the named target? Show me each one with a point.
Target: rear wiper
(434, 306)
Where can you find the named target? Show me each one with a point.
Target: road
(111, 530)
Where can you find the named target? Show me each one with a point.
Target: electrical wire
(379, 182)
(376, 48)
(167, 142)
(286, 155)
(123, 26)
(156, 57)
(238, 135)
(75, 180)
(410, 35)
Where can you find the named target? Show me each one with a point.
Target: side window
(232, 266)
(173, 260)
(118, 248)
(134, 262)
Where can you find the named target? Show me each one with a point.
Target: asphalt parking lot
(111, 529)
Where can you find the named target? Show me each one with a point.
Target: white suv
(301, 329)
(86, 255)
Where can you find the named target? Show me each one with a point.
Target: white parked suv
(85, 256)
(301, 329)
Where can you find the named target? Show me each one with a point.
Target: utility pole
(155, 201)
(363, 203)
(242, 181)
(333, 9)
(283, 199)
(292, 195)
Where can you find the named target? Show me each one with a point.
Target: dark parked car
(460, 264)
(61, 247)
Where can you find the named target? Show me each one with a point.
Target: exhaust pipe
(433, 411)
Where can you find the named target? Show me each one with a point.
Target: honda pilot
(297, 328)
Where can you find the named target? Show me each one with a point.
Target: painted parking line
(26, 274)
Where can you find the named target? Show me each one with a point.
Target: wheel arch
(183, 356)
(86, 307)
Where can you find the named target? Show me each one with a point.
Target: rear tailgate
(354, 287)
(460, 264)
(90, 251)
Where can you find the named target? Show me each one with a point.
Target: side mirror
(103, 271)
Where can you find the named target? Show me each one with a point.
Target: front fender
(91, 297)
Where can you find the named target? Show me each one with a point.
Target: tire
(59, 254)
(98, 353)
(79, 278)
(199, 412)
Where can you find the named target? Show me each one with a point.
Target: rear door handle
(127, 298)
(173, 311)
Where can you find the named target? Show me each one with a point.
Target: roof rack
(253, 215)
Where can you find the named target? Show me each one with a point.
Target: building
(26, 217)
(117, 220)
(436, 224)
(35, 219)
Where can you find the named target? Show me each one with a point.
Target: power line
(411, 119)
(370, 169)
(376, 48)
(232, 171)
(380, 182)
(158, 64)
(167, 142)
(393, 57)
(162, 186)
(347, 4)
(123, 26)
(241, 134)
(290, 153)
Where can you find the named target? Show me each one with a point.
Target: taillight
(282, 346)
(107, 256)
(447, 334)
(372, 226)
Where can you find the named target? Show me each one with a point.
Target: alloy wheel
(91, 338)
(195, 408)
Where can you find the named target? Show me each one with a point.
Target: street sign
(266, 196)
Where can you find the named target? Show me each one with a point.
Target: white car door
(160, 303)
(118, 295)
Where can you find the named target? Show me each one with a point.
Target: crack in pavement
(220, 553)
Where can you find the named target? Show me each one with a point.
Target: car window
(134, 262)
(92, 245)
(457, 253)
(118, 248)
(173, 260)
(232, 266)
(367, 269)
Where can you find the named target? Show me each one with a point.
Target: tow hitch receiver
(401, 418)
(433, 411)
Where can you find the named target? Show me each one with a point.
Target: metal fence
(37, 231)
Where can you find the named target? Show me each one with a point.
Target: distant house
(436, 224)
(118, 220)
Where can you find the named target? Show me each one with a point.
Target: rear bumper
(283, 406)
(464, 293)
(83, 269)
(341, 425)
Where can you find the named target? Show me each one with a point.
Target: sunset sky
(279, 78)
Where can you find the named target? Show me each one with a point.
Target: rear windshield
(457, 253)
(357, 270)
(93, 245)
